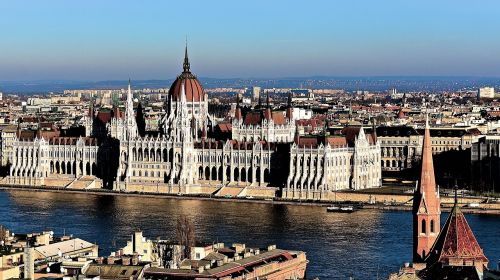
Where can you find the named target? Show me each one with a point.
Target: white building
(486, 92)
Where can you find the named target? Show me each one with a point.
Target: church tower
(426, 205)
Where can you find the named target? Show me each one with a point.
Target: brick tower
(426, 205)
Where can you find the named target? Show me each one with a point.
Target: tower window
(423, 227)
(432, 226)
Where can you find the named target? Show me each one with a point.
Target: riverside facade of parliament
(265, 154)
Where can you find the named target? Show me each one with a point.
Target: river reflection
(362, 244)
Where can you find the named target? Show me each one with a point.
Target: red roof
(225, 127)
(456, 242)
(253, 118)
(308, 142)
(337, 141)
(104, 117)
(351, 133)
(256, 117)
(279, 118)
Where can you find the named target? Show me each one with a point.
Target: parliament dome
(193, 88)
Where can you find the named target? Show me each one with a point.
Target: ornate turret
(426, 205)
(130, 123)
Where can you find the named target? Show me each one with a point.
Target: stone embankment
(381, 198)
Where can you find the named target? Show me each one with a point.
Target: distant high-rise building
(486, 92)
(1, 95)
(256, 93)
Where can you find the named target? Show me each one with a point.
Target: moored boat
(341, 208)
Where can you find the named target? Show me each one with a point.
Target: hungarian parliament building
(265, 154)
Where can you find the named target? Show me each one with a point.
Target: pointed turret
(131, 124)
(426, 204)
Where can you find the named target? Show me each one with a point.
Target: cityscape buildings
(310, 140)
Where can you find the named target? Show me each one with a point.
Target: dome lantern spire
(186, 64)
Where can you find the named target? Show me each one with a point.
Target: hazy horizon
(114, 40)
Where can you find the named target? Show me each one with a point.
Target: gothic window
(432, 226)
(423, 231)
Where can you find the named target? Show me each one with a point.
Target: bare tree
(185, 235)
(3, 235)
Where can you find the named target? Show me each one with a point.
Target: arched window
(432, 226)
(423, 227)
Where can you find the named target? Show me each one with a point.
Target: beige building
(401, 145)
(486, 92)
(7, 138)
(70, 248)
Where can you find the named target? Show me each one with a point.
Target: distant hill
(428, 84)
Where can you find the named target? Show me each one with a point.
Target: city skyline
(113, 40)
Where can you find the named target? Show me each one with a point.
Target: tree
(185, 235)
(3, 235)
(139, 119)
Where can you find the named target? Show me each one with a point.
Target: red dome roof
(194, 91)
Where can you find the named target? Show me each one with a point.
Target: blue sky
(100, 40)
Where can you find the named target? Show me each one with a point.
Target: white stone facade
(316, 171)
(267, 130)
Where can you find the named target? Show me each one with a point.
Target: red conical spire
(427, 186)
(426, 204)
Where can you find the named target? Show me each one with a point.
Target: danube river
(363, 244)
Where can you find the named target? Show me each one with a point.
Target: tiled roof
(456, 241)
(253, 118)
(225, 127)
(104, 116)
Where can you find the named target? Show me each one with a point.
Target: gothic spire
(426, 204)
(186, 66)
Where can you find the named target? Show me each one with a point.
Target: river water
(363, 244)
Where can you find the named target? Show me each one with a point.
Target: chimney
(125, 261)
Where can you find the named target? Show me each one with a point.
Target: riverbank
(390, 204)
